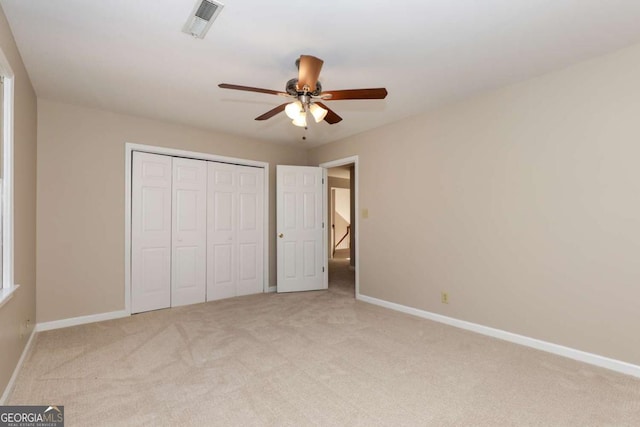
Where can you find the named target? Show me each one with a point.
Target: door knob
(281, 235)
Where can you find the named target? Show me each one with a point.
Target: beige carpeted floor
(314, 358)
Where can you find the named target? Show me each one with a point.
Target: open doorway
(341, 205)
(340, 211)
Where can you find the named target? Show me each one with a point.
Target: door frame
(356, 178)
(129, 148)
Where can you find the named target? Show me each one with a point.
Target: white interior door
(300, 242)
(189, 240)
(235, 230)
(150, 232)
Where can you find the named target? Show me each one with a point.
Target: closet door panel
(150, 232)
(250, 230)
(189, 240)
(221, 225)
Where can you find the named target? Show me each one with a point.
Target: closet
(197, 231)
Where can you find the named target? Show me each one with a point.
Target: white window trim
(8, 286)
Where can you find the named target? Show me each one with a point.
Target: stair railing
(340, 241)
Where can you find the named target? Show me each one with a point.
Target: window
(1, 168)
(7, 285)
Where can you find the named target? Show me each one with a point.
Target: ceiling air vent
(201, 18)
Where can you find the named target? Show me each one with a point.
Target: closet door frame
(128, 153)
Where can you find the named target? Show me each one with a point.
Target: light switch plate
(365, 213)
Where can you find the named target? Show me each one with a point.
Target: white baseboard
(16, 371)
(273, 289)
(571, 353)
(74, 321)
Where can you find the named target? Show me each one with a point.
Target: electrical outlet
(444, 298)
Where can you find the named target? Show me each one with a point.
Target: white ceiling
(131, 56)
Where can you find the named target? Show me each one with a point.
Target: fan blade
(273, 112)
(331, 117)
(338, 95)
(250, 89)
(309, 71)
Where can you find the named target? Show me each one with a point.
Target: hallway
(342, 279)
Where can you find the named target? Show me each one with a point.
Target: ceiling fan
(307, 92)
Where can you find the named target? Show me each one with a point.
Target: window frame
(7, 287)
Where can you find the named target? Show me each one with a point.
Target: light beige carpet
(314, 358)
(341, 254)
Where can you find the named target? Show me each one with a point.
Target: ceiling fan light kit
(297, 111)
(294, 110)
(318, 112)
(300, 121)
(306, 89)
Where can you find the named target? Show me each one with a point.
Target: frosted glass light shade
(318, 112)
(300, 120)
(294, 110)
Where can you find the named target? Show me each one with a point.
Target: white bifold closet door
(197, 231)
(235, 236)
(150, 232)
(189, 232)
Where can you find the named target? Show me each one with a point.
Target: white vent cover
(201, 18)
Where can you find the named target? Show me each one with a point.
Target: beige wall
(81, 199)
(334, 182)
(523, 204)
(21, 307)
